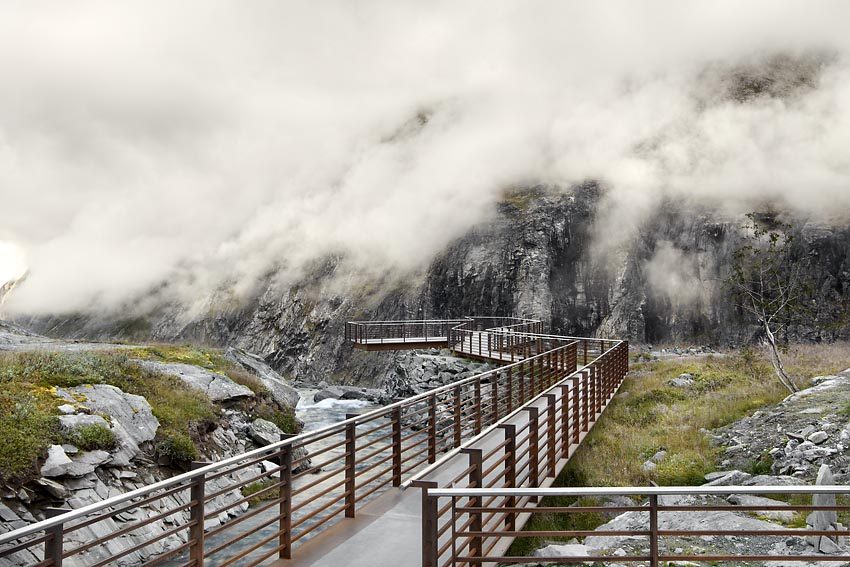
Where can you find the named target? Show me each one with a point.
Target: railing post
(575, 408)
(429, 523)
(432, 428)
(533, 447)
(476, 464)
(653, 530)
(457, 416)
(584, 343)
(585, 401)
(53, 546)
(510, 379)
(565, 421)
(285, 508)
(396, 417)
(477, 405)
(196, 515)
(533, 379)
(350, 462)
(601, 393)
(521, 385)
(510, 472)
(494, 395)
(551, 433)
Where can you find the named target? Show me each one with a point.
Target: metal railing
(394, 332)
(257, 506)
(478, 521)
(527, 448)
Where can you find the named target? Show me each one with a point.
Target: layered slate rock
(131, 418)
(217, 387)
(283, 393)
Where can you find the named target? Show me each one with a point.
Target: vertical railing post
(429, 523)
(476, 465)
(510, 400)
(285, 507)
(432, 428)
(565, 421)
(585, 401)
(54, 545)
(653, 530)
(601, 393)
(521, 375)
(533, 447)
(551, 433)
(196, 515)
(584, 344)
(533, 379)
(494, 395)
(477, 405)
(396, 418)
(510, 472)
(350, 462)
(458, 416)
(575, 408)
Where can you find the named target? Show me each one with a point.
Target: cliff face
(539, 257)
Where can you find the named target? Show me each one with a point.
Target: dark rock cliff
(538, 257)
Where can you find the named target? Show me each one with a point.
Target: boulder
(86, 463)
(133, 412)
(217, 387)
(818, 437)
(350, 393)
(565, 550)
(733, 478)
(57, 462)
(750, 500)
(283, 393)
(682, 381)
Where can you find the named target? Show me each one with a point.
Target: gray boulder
(264, 432)
(283, 393)
(565, 550)
(749, 500)
(348, 393)
(87, 462)
(217, 387)
(682, 380)
(57, 462)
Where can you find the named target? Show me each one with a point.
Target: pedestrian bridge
(447, 478)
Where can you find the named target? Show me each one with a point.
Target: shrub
(262, 489)
(28, 427)
(92, 437)
(683, 469)
(178, 447)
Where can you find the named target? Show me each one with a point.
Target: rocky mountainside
(537, 257)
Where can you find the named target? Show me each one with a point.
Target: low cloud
(205, 144)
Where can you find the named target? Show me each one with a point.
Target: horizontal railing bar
(641, 490)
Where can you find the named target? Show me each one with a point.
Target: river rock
(565, 550)
(282, 392)
(217, 387)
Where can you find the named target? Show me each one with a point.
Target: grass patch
(28, 425)
(178, 447)
(29, 379)
(261, 490)
(648, 414)
(92, 437)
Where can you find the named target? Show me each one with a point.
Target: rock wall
(537, 257)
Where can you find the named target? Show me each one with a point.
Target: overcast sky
(215, 139)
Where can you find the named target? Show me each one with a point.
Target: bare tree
(770, 280)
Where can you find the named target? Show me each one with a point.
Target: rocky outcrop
(217, 387)
(281, 391)
(806, 430)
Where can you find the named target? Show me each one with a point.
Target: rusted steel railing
(526, 448)
(395, 332)
(259, 505)
(474, 526)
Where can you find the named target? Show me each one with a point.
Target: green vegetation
(28, 425)
(261, 490)
(177, 446)
(649, 414)
(92, 437)
(28, 401)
